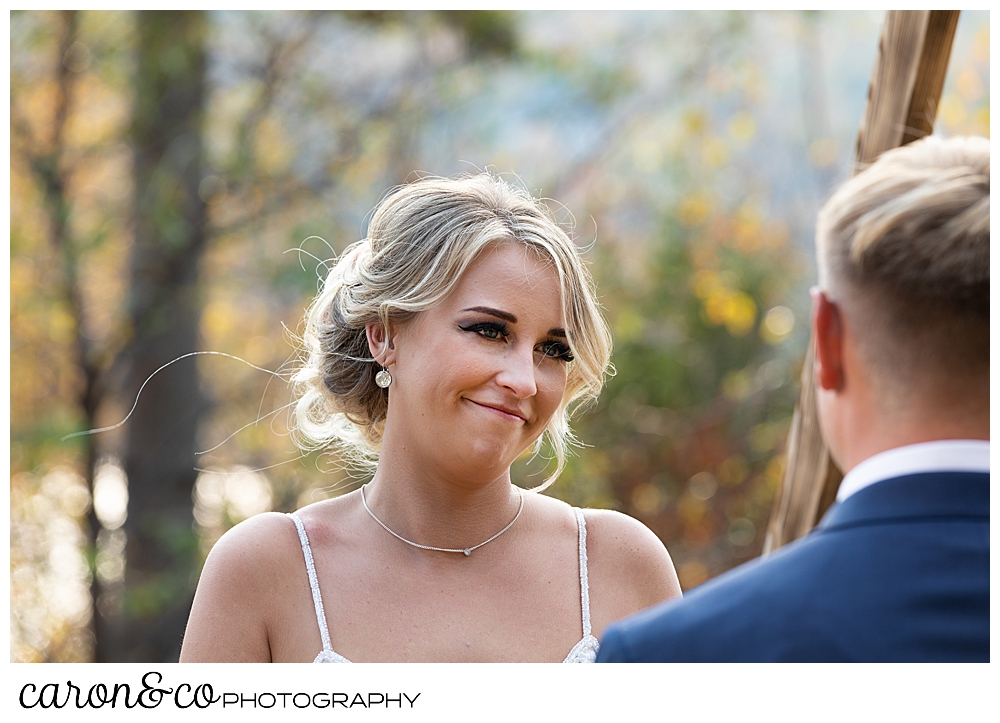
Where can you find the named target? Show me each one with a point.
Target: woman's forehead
(513, 280)
(515, 273)
(511, 263)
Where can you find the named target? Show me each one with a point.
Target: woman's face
(477, 377)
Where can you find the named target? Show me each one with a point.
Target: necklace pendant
(466, 552)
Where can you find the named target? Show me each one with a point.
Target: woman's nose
(518, 373)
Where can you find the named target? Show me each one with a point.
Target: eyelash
(499, 329)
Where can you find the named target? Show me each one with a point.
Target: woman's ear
(380, 342)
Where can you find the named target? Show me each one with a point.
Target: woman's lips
(505, 412)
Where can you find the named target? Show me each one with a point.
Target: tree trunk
(164, 309)
(902, 104)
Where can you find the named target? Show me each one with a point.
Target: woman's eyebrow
(505, 315)
(558, 332)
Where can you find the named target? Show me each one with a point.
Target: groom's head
(901, 318)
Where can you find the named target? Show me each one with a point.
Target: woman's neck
(431, 505)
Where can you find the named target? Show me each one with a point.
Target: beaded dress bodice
(584, 651)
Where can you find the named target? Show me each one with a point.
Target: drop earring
(383, 379)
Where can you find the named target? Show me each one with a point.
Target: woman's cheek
(553, 390)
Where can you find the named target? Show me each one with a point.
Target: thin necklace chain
(464, 550)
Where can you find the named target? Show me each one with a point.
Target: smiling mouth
(506, 414)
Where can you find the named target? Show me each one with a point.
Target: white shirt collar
(947, 455)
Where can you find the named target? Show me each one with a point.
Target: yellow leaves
(694, 210)
(723, 305)
(218, 320)
(695, 122)
(737, 385)
(777, 325)
(705, 282)
(746, 230)
(965, 109)
(62, 327)
(969, 85)
(742, 127)
(952, 111)
(981, 46)
(734, 309)
(714, 152)
(691, 509)
(647, 498)
(982, 122)
(38, 106)
(100, 115)
(732, 471)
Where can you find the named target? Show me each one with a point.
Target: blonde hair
(906, 244)
(421, 239)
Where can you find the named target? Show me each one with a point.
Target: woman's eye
(488, 330)
(557, 350)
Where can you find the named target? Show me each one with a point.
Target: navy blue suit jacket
(899, 571)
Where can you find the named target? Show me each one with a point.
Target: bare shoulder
(630, 569)
(243, 575)
(255, 548)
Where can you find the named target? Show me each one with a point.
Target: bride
(444, 345)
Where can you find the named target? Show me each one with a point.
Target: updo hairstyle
(421, 239)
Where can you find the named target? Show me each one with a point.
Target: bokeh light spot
(777, 324)
(694, 210)
(111, 495)
(952, 110)
(742, 127)
(822, 152)
(732, 471)
(741, 532)
(646, 499)
(703, 486)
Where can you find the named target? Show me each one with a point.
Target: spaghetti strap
(327, 655)
(586, 650)
(584, 580)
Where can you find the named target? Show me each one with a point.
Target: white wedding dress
(584, 651)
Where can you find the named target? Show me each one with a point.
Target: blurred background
(175, 178)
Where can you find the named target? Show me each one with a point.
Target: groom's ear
(381, 342)
(828, 336)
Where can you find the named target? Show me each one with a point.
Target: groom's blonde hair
(904, 248)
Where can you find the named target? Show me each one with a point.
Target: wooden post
(902, 103)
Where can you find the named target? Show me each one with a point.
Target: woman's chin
(485, 459)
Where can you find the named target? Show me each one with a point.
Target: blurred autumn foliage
(178, 178)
